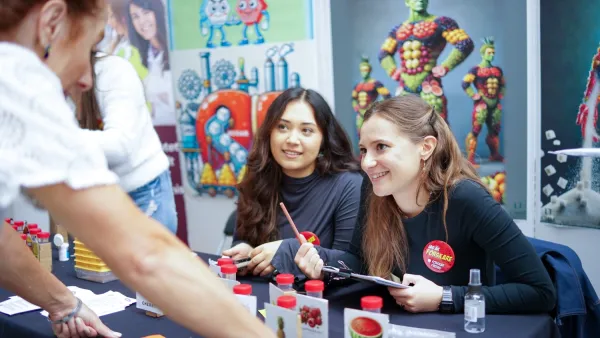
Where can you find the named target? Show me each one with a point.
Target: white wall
(583, 241)
(23, 210)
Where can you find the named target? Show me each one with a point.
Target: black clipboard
(373, 279)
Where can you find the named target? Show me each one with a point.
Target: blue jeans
(156, 200)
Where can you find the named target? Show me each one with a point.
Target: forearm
(22, 274)
(148, 259)
(457, 56)
(508, 298)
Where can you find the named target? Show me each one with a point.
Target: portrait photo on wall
(137, 30)
(570, 63)
(457, 62)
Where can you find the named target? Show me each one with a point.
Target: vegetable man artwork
(419, 42)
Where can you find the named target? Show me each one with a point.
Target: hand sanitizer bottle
(474, 304)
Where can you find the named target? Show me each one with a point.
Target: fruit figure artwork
(582, 116)
(419, 42)
(489, 90)
(252, 13)
(366, 92)
(214, 15)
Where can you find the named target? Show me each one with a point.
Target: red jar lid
(15, 227)
(32, 226)
(371, 302)
(19, 223)
(35, 231)
(314, 286)
(288, 302)
(228, 268)
(224, 261)
(8, 220)
(44, 235)
(24, 237)
(285, 278)
(242, 289)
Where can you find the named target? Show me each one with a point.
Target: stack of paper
(15, 305)
(104, 304)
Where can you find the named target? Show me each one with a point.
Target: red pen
(301, 238)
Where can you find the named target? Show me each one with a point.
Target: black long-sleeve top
(481, 234)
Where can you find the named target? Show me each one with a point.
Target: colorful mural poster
(570, 63)
(138, 31)
(223, 91)
(457, 62)
(223, 23)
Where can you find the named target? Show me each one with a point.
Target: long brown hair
(384, 242)
(12, 12)
(259, 189)
(88, 110)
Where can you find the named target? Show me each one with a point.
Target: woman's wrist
(62, 306)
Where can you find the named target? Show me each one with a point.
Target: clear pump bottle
(474, 304)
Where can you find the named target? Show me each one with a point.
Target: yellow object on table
(89, 266)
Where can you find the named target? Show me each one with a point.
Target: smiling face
(250, 10)
(391, 160)
(217, 11)
(144, 21)
(296, 140)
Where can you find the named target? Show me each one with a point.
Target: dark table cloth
(134, 323)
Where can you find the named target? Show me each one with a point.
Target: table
(134, 323)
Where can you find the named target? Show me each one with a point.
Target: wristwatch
(447, 304)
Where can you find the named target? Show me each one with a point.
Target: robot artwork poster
(222, 112)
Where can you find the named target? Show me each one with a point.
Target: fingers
(81, 328)
(256, 260)
(268, 270)
(261, 267)
(72, 327)
(230, 252)
(302, 251)
(318, 270)
(312, 262)
(256, 251)
(411, 279)
(103, 331)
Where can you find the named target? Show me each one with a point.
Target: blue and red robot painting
(215, 15)
(223, 111)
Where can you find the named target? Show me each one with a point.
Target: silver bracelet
(70, 315)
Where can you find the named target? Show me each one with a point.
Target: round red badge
(311, 237)
(438, 256)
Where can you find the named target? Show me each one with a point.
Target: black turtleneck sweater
(324, 205)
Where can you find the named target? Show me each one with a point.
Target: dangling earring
(424, 163)
(46, 52)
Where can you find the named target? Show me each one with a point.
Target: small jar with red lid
(314, 288)
(228, 271)
(285, 282)
(33, 233)
(43, 237)
(24, 238)
(20, 225)
(223, 261)
(287, 302)
(9, 221)
(371, 303)
(243, 289)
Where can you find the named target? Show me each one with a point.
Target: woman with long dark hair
(428, 220)
(147, 26)
(302, 157)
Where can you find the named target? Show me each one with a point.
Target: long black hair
(139, 42)
(259, 190)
